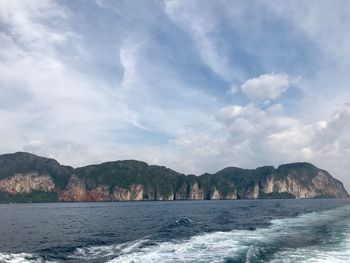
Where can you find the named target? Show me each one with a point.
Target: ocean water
(182, 231)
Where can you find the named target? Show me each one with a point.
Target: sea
(303, 230)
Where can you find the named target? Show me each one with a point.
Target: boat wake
(314, 237)
(20, 258)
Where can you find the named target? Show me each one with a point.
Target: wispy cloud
(195, 85)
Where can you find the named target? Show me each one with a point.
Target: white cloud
(255, 137)
(266, 86)
(230, 111)
(249, 137)
(265, 131)
(323, 26)
(324, 22)
(146, 86)
(25, 21)
(45, 93)
(52, 104)
(201, 27)
(66, 152)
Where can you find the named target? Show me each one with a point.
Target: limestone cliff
(76, 191)
(26, 183)
(196, 193)
(304, 180)
(26, 177)
(135, 193)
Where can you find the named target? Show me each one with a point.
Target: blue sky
(193, 85)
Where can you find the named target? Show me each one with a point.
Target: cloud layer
(266, 86)
(194, 85)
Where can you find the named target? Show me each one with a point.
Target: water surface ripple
(182, 231)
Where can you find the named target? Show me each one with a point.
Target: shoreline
(171, 201)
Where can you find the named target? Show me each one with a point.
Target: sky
(192, 85)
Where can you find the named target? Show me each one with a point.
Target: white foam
(19, 258)
(220, 246)
(238, 245)
(94, 252)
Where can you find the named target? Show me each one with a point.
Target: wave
(184, 220)
(100, 252)
(314, 237)
(21, 258)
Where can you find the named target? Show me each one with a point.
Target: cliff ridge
(25, 177)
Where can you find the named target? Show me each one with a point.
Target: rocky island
(25, 177)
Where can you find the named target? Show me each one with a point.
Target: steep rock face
(323, 182)
(253, 192)
(27, 163)
(303, 180)
(26, 183)
(287, 185)
(25, 175)
(215, 195)
(76, 191)
(135, 193)
(231, 196)
(196, 193)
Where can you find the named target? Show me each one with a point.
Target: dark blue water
(182, 231)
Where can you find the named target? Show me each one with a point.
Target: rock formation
(25, 177)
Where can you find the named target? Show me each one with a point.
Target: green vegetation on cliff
(22, 162)
(157, 179)
(297, 180)
(274, 195)
(32, 197)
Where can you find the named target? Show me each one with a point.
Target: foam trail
(98, 252)
(314, 237)
(20, 258)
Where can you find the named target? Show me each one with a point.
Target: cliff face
(76, 191)
(304, 180)
(26, 183)
(26, 177)
(135, 193)
(22, 163)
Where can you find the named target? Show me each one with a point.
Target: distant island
(25, 177)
